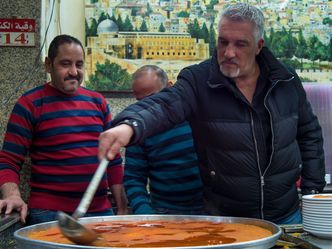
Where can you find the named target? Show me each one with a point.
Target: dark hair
(160, 73)
(58, 41)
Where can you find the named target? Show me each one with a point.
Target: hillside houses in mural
(174, 33)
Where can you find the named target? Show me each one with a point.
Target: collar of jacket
(277, 71)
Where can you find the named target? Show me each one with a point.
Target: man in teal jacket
(162, 173)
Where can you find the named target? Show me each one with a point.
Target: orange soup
(162, 233)
(322, 196)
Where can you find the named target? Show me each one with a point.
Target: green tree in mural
(194, 29)
(329, 51)
(108, 77)
(266, 40)
(87, 29)
(127, 26)
(205, 33)
(90, 30)
(212, 40)
(327, 21)
(119, 22)
(144, 27)
(183, 13)
(113, 18)
(162, 28)
(135, 11)
(102, 17)
(149, 9)
(270, 39)
(301, 49)
(277, 41)
(289, 45)
(210, 6)
(313, 45)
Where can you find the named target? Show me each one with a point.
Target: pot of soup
(157, 232)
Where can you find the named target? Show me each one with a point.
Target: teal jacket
(162, 174)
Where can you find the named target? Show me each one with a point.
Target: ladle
(69, 225)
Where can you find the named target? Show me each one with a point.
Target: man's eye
(223, 43)
(241, 44)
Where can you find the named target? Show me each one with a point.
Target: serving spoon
(69, 225)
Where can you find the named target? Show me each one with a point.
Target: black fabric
(222, 123)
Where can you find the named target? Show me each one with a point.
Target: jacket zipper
(258, 164)
(272, 145)
(271, 121)
(262, 175)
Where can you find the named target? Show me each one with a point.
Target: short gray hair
(245, 12)
(159, 72)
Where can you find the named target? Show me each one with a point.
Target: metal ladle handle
(91, 190)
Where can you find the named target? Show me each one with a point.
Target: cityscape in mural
(124, 35)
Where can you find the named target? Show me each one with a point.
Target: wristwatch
(134, 125)
(130, 122)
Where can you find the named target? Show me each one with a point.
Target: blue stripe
(179, 130)
(42, 178)
(68, 162)
(109, 123)
(14, 148)
(115, 162)
(76, 161)
(179, 196)
(181, 147)
(69, 130)
(54, 99)
(21, 111)
(86, 144)
(176, 164)
(175, 154)
(19, 130)
(70, 114)
(33, 90)
(5, 166)
(72, 194)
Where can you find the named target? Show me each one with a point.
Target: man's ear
(260, 45)
(169, 83)
(48, 64)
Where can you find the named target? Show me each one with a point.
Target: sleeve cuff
(135, 139)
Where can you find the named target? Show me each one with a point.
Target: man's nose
(229, 52)
(73, 70)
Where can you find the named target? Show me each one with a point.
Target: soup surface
(162, 233)
(322, 196)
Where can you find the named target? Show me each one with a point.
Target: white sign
(17, 39)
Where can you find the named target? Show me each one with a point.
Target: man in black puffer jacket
(253, 127)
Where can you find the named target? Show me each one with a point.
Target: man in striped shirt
(58, 124)
(162, 174)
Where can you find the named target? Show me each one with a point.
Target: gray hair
(160, 73)
(245, 12)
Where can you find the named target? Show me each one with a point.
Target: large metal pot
(24, 242)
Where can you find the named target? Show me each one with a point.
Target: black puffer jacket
(222, 123)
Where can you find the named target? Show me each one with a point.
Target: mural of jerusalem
(124, 35)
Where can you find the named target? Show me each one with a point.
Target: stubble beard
(230, 73)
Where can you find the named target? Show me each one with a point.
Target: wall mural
(124, 35)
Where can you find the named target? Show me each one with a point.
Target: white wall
(67, 17)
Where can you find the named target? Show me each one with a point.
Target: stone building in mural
(132, 49)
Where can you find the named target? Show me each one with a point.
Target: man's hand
(112, 140)
(12, 201)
